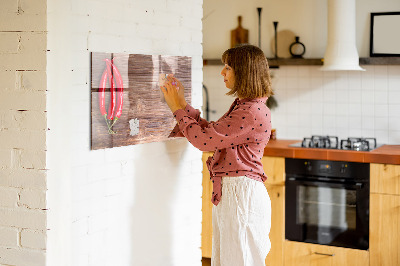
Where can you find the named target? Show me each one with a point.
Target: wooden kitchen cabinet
(274, 168)
(385, 215)
(385, 178)
(384, 236)
(305, 254)
(277, 233)
(206, 225)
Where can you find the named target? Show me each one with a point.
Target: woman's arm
(174, 95)
(239, 127)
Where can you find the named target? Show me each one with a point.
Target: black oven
(327, 202)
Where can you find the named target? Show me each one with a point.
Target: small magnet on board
(134, 126)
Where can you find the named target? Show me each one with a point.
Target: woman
(242, 208)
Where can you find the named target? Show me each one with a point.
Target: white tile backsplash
(343, 103)
(314, 102)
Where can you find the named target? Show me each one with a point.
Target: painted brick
(196, 11)
(26, 60)
(17, 256)
(23, 178)
(176, 7)
(9, 42)
(5, 159)
(98, 222)
(158, 32)
(22, 100)
(34, 140)
(197, 38)
(36, 7)
(33, 199)
(23, 218)
(8, 197)
(33, 159)
(197, 76)
(30, 80)
(8, 6)
(80, 227)
(192, 49)
(9, 237)
(34, 120)
(7, 80)
(191, 22)
(15, 158)
(33, 42)
(22, 22)
(33, 239)
(31, 61)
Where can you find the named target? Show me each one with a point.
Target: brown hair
(250, 66)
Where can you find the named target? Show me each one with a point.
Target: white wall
(306, 19)
(23, 133)
(311, 102)
(134, 205)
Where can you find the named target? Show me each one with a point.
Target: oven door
(327, 213)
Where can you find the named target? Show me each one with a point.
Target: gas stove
(332, 142)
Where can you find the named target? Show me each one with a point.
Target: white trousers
(241, 223)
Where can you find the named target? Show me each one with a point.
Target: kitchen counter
(389, 154)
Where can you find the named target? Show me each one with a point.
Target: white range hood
(341, 51)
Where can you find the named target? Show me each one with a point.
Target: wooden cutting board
(239, 35)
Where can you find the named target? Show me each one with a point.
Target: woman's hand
(181, 91)
(173, 95)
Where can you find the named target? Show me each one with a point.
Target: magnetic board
(127, 106)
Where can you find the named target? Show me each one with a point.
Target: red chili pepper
(112, 91)
(115, 83)
(120, 90)
(102, 89)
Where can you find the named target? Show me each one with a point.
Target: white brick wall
(23, 132)
(134, 205)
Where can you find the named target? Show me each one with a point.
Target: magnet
(134, 126)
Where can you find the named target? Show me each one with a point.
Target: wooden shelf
(380, 61)
(274, 63)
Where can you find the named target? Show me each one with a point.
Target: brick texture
(23, 125)
(33, 239)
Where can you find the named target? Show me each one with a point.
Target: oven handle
(357, 185)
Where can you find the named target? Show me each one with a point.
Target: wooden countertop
(389, 154)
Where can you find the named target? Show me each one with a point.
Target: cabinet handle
(324, 254)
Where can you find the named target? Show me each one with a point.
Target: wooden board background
(142, 97)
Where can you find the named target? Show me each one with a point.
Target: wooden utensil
(239, 35)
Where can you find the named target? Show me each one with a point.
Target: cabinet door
(274, 168)
(385, 178)
(304, 254)
(384, 230)
(277, 233)
(206, 226)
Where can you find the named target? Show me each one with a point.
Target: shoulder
(256, 106)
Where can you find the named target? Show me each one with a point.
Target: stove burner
(328, 142)
(358, 144)
(332, 142)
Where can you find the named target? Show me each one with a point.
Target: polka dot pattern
(238, 139)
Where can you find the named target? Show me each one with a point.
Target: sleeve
(229, 131)
(193, 113)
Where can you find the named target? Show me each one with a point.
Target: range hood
(341, 51)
